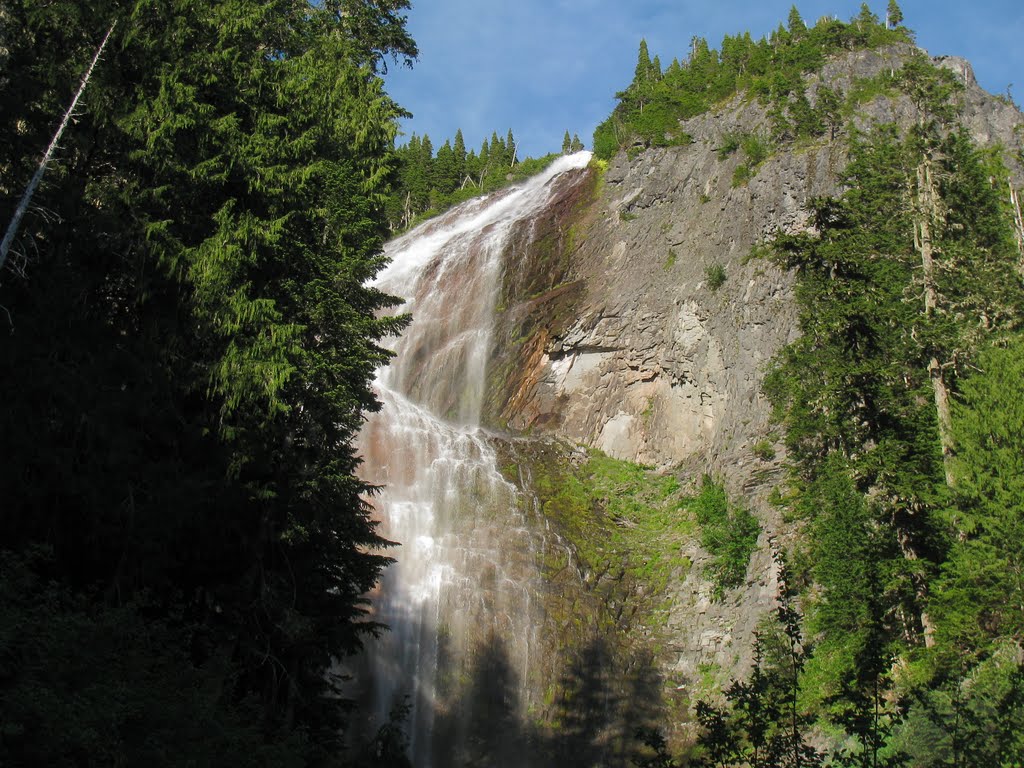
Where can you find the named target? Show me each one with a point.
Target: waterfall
(461, 599)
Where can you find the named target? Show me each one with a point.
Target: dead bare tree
(1018, 221)
(26, 199)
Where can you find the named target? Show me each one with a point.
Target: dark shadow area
(583, 735)
(605, 696)
(600, 700)
(478, 721)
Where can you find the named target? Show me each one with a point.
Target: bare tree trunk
(1018, 222)
(26, 199)
(926, 213)
(407, 210)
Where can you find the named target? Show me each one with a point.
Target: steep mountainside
(639, 318)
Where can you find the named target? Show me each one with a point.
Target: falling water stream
(461, 599)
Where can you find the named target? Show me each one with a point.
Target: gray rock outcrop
(628, 346)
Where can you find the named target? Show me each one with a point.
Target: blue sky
(540, 67)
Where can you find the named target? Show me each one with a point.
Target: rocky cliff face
(614, 333)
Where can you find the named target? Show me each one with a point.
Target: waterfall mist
(461, 600)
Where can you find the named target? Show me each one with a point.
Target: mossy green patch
(626, 524)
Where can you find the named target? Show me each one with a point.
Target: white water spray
(459, 601)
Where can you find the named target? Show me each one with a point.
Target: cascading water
(460, 599)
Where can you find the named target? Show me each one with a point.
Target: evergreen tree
(484, 161)
(975, 599)
(865, 18)
(446, 174)
(566, 143)
(795, 23)
(196, 322)
(919, 225)
(644, 72)
(893, 15)
(459, 149)
(425, 164)
(829, 110)
(772, 69)
(763, 724)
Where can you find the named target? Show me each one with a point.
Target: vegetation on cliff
(772, 69)
(898, 639)
(904, 435)
(190, 342)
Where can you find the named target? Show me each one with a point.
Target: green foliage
(764, 450)
(741, 174)
(762, 722)
(970, 717)
(729, 533)
(606, 139)
(617, 514)
(426, 185)
(756, 150)
(894, 553)
(650, 110)
(730, 143)
(975, 600)
(893, 14)
(715, 276)
(864, 90)
(194, 315)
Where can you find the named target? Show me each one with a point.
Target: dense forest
(428, 183)
(771, 69)
(190, 342)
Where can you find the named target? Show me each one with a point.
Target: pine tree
(829, 110)
(644, 71)
(484, 161)
(893, 15)
(199, 328)
(795, 22)
(865, 18)
(459, 149)
(566, 143)
(975, 597)
(446, 174)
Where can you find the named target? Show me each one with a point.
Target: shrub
(756, 148)
(730, 143)
(715, 276)
(727, 532)
(741, 175)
